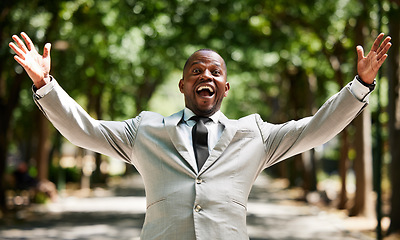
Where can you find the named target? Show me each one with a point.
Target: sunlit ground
(119, 214)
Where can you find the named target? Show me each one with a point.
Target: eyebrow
(200, 62)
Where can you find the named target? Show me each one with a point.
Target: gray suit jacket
(183, 203)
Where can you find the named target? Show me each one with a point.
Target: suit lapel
(229, 132)
(171, 124)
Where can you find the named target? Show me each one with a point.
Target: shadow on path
(121, 215)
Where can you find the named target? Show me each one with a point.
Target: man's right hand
(36, 65)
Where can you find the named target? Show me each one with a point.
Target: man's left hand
(368, 66)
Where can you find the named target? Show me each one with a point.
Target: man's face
(204, 83)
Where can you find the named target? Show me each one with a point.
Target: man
(198, 171)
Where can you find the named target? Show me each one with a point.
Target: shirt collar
(187, 114)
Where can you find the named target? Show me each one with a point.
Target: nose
(207, 75)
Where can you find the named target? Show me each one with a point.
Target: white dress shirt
(214, 127)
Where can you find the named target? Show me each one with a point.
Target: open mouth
(205, 91)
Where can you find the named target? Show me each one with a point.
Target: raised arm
(114, 139)
(37, 66)
(368, 66)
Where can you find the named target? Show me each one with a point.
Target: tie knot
(204, 120)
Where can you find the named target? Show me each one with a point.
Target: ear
(227, 87)
(181, 83)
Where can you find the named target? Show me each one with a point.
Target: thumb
(360, 53)
(46, 51)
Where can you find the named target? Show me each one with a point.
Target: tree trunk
(344, 136)
(363, 201)
(343, 167)
(310, 175)
(335, 60)
(303, 165)
(43, 147)
(308, 157)
(7, 103)
(394, 117)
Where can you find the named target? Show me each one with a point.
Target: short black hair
(202, 50)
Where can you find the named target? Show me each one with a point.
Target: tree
(111, 56)
(363, 200)
(394, 113)
(11, 83)
(362, 164)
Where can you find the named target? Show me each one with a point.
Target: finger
(20, 61)
(28, 41)
(384, 43)
(387, 47)
(387, 40)
(377, 41)
(17, 50)
(46, 51)
(360, 52)
(21, 45)
(384, 50)
(382, 60)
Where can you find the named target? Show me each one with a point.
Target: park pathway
(119, 214)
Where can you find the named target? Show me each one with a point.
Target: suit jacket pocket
(239, 203)
(155, 203)
(244, 133)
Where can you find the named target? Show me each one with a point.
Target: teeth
(205, 88)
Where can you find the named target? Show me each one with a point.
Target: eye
(216, 72)
(196, 71)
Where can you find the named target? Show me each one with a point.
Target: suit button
(199, 180)
(197, 208)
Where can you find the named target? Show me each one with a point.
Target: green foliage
(283, 57)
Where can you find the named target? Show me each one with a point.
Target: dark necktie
(200, 139)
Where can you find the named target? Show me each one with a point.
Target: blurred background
(285, 58)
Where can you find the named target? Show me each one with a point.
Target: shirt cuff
(43, 91)
(360, 91)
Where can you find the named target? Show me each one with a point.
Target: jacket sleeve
(112, 138)
(285, 140)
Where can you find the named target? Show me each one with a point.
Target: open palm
(37, 66)
(368, 66)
